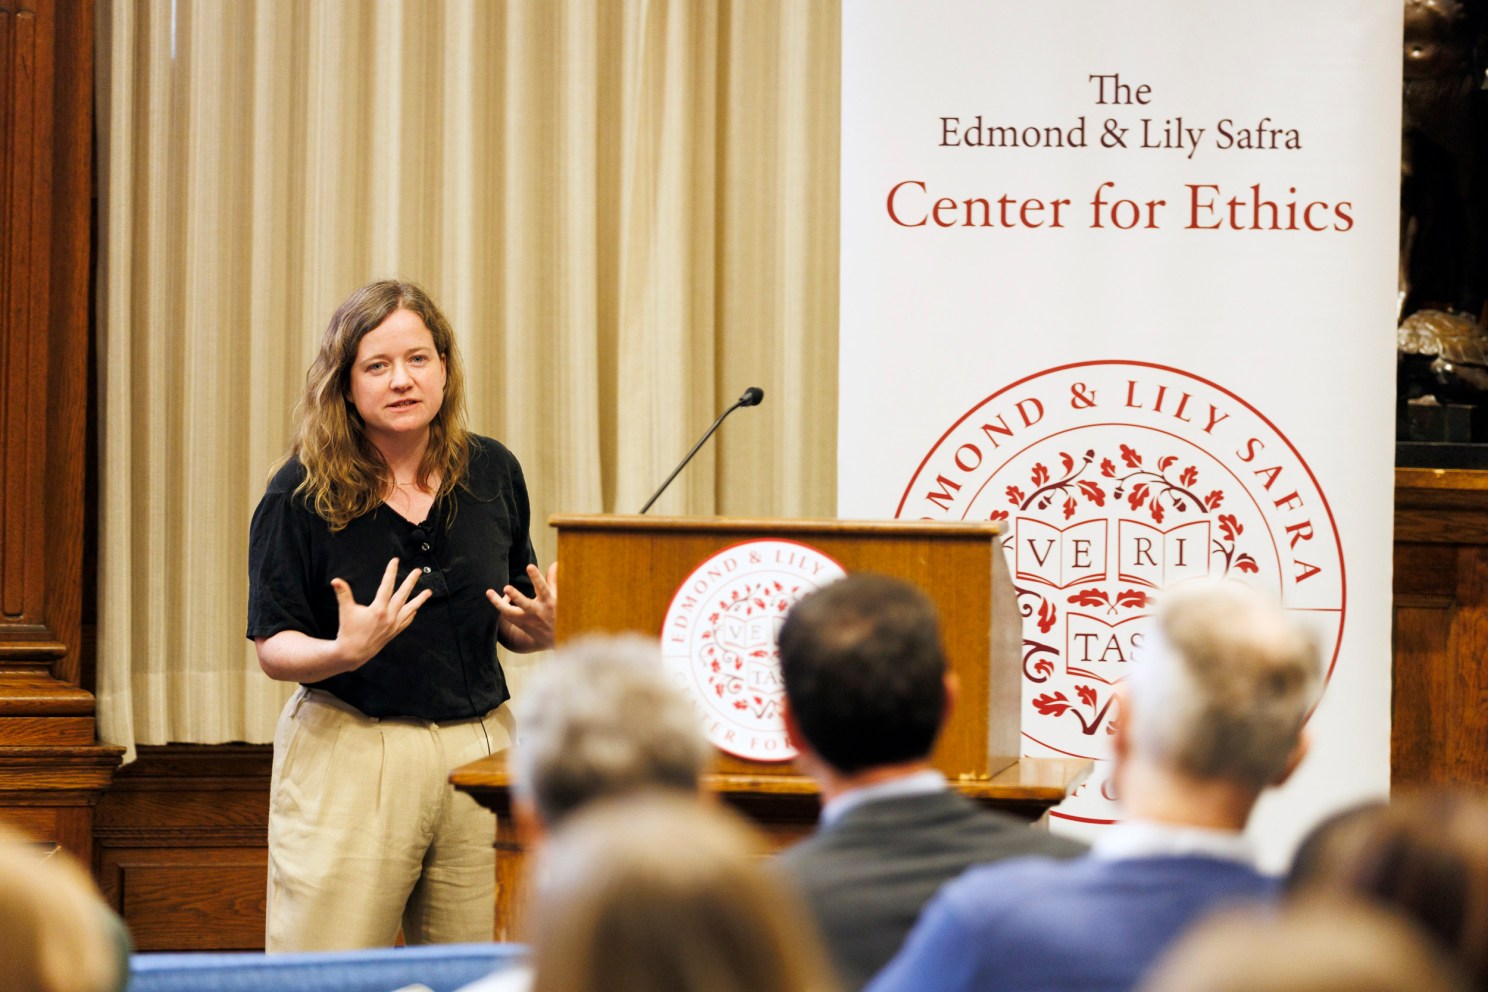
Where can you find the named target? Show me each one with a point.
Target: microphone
(752, 397)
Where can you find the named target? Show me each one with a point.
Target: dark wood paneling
(49, 791)
(51, 771)
(182, 846)
(1439, 730)
(34, 730)
(43, 322)
(49, 824)
(27, 158)
(69, 338)
(188, 899)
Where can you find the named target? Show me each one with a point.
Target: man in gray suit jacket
(867, 691)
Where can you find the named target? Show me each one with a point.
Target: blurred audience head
(56, 934)
(600, 719)
(1331, 845)
(655, 893)
(865, 672)
(1312, 945)
(1424, 855)
(1221, 688)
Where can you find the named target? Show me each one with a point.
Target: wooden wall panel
(51, 769)
(181, 842)
(49, 823)
(1439, 733)
(190, 898)
(28, 342)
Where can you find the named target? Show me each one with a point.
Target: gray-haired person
(599, 720)
(1211, 715)
(602, 718)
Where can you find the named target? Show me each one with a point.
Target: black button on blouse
(444, 666)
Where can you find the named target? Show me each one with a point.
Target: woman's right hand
(365, 630)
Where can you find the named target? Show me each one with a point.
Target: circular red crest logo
(1117, 479)
(719, 640)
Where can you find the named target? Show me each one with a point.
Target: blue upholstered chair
(442, 967)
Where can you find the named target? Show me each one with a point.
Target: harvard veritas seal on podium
(719, 640)
(1117, 480)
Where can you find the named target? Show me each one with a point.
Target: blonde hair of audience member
(1424, 855)
(1216, 701)
(54, 929)
(658, 893)
(1313, 945)
(601, 718)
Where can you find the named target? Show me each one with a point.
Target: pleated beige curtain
(627, 209)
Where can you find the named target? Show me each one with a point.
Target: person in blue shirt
(1211, 715)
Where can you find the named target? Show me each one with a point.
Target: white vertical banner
(1123, 276)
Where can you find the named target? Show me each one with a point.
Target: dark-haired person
(1331, 844)
(387, 559)
(866, 691)
(1423, 855)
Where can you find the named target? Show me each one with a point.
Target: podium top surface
(1046, 781)
(635, 521)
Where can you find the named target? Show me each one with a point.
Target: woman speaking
(388, 557)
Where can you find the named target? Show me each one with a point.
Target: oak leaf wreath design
(1161, 490)
(725, 666)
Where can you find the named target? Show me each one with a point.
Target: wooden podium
(621, 573)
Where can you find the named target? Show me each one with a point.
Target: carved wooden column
(51, 768)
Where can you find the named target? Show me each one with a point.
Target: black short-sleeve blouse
(444, 666)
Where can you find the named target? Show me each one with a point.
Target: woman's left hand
(526, 623)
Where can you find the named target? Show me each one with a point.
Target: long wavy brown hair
(345, 475)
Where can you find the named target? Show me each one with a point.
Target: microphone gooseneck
(752, 397)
